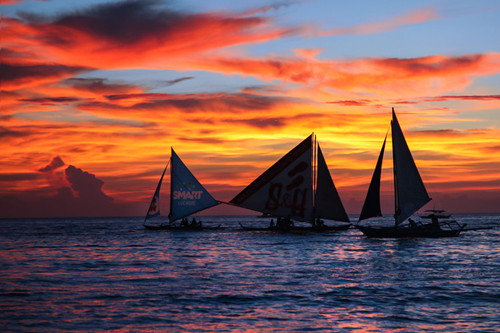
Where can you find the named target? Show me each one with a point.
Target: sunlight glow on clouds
(60, 103)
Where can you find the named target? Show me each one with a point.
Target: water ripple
(111, 275)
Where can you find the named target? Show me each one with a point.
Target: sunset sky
(94, 93)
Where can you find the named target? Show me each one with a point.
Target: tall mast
(409, 189)
(171, 184)
(315, 175)
(314, 166)
(395, 174)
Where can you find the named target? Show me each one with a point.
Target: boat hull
(324, 229)
(180, 228)
(396, 232)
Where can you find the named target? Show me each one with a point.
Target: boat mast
(171, 185)
(314, 176)
(395, 174)
(409, 190)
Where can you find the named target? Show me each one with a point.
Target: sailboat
(410, 195)
(187, 196)
(285, 191)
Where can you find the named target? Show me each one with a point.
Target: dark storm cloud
(441, 132)
(147, 28)
(203, 140)
(126, 22)
(80, 194)
(51, 100)
(463, 97)
(17, 73)
(192, 103)
(7, 54)
(87, 185)
(98, 85)
(56, 163)
(421, 66)
(276, 122)
(169, 83)
(359, 102)
(9, 133)
(10, 177)
(120, 22)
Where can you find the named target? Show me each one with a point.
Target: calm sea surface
(110, 274)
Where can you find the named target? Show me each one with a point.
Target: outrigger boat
(410, 195)
(295, 188)
(187, 196)
(435, 214)
(298, 229)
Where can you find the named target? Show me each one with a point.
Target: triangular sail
(154, 206)
(327, 203)
(371, 207)
(187, 195)
(410, 193)
(285, 189)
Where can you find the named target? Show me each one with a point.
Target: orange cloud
(412, 17)
(17, 76)
(383, 76)
(121, 132)
(464, 97)
(101, 36)
(10, 2)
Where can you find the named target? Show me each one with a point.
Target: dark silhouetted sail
(154, 206)
(285, 189)
(410, 193)
(409, 196)
(327, 203)
(371, 207)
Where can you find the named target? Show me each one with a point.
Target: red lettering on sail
(184, 195)
(295, 201)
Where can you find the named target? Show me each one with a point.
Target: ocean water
(110, 274)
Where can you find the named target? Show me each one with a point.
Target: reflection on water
(110, 274)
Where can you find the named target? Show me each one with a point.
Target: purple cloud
(56, 163)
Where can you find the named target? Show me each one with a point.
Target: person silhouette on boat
(434, 225)
(435, 221)
(193, 223)
(271, 224)
(282, 223)
(184, 222)
(397, 213)
(412, 223)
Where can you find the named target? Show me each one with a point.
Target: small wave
(15, 294)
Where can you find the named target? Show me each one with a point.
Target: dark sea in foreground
(110, 274)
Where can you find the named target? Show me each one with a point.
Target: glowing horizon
(107, 87)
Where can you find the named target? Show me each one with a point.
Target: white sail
(410, 193)
(285, 189)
